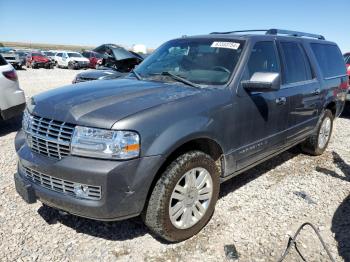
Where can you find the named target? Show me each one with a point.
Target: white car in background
(71, 60)
(12, 99)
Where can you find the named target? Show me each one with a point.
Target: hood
(40, 59)
(102, 103)
(80, 59)
(96, 74)
(122, 54)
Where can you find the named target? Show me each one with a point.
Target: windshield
(74, 55)
(201, 61)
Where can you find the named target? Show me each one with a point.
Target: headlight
(107, 144)
(26, 121)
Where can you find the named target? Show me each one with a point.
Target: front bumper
(124, 184)
(43, 64)
(78, 65)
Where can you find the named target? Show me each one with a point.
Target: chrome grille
(62, 186)
(50, 137)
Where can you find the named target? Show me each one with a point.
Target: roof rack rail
(275, 32)
(240, 31)
(293, 33)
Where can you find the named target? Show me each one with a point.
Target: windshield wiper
(180, 79)
(136, 74)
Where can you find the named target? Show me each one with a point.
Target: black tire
(311, 145)
(34, 66)
(71, 66)
(346, 110)
(156, 214)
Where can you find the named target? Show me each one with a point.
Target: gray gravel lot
(257, 211)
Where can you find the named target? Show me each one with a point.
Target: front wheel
(70, 66)
(183, 199)
(317, 143)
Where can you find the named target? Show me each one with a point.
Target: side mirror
(262, 81)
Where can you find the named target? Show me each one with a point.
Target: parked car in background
(101, 73)
(197, 112)
(12, 99)
(38, 60)
(116, 63)
(22, 56)
(94, 58)
(71, 60)
(50, 55)
(13, 58)
(347, 62)
(118, 57)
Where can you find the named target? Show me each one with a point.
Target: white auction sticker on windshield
(230, 45)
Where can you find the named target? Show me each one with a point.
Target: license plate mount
(25, 190)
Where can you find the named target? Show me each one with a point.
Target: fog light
(81, 190)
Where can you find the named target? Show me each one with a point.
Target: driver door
(261, 116)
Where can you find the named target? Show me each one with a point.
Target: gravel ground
(257, 210)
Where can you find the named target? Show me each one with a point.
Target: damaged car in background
(38, 60)
(15, 59)
(71, 60)
(102, 73)
(49, 54)
(116, 62)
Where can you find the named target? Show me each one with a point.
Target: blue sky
(154, 22)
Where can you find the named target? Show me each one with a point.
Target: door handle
(281, 100)
(317, 91)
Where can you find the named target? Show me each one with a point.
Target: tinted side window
(296, 65)
(262, 59)
(2, 61)
(329, 59)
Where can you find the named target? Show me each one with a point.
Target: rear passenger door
(302, 88)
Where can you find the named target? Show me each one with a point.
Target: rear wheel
(184, 198)
(317, 143)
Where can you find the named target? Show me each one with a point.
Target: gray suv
(197, 112)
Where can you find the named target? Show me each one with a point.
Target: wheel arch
(203, 144)
(332, 106)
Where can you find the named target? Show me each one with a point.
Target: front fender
(178, 134)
